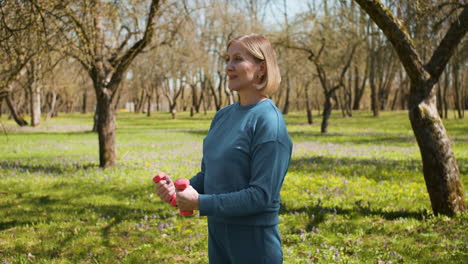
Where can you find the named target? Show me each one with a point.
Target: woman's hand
(165, 189)
(187, 199)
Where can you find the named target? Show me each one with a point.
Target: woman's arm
(197, 181)
(270, 161)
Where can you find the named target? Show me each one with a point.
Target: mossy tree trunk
(440, 168)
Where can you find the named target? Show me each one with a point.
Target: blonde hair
(260, 48)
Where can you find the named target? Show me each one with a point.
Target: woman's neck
(249, 98)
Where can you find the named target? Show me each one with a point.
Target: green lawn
(355, 195)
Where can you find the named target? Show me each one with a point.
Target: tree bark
(327, 109)
(35, 101)
(308, 107)
(148, 102)
(286, 99)
(359, 87)
(372, 77)
(106, 131)
(34, 89)
(95, 118)
(85, 101)
(18, 119)
(140, 102)
(446, 86)
(458, 99)
(51, 102)
(440, 169)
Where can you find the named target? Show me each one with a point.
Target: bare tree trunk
(158, 106)
(395, 99)
(327, 109)
(359, 87)
(182, 99)
(148, 101)
(95, 118)
(308, 107)
(85, 101)
(444, 93)
(340, 101)
(34, 89)
(200, 101)
(193, 87)
(446, 193)
(439, 100)
(458, 99)
(286, 99)
(440, 168)
(141, 101)
(286, 55)
(217, 94)
(35, 105)
(19, 120)
(106, 131)
(374, 91)
(51, 101)
(229, 96)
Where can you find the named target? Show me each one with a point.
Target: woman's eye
(238, 58)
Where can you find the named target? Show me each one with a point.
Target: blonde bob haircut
(260, 48)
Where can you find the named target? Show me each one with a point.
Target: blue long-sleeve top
(246, 155)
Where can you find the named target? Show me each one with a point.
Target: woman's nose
(229, 66)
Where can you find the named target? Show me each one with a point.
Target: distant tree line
(332, 56)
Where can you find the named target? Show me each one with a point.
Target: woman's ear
(262, 70)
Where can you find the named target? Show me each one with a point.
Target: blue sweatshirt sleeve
(198, 180)
(270, 161)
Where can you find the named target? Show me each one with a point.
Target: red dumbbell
(182, 184)
(163, 176)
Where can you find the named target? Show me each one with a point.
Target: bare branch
(395, 31)
(123, 63)
(448, 45)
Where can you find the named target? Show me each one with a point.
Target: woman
(246, 155)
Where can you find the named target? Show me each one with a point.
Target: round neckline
(250, 106)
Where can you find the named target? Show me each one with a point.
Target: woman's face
(241, 67)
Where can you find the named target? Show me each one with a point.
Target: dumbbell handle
(163, 176)
(182, 184)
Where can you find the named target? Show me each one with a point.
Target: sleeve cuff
(206, 204)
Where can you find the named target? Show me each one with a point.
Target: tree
(330, 59)
(17, 25)
(86, 25)
(440, 168)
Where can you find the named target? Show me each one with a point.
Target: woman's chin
(233, 87)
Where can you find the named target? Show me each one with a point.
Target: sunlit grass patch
(354, 195)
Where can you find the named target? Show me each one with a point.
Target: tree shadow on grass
(59, 168)
(356, 137)
(377, 169)
(317, 213)
(198, 132)
(52, 133)
(62, 215)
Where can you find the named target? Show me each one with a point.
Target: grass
(355, 195)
